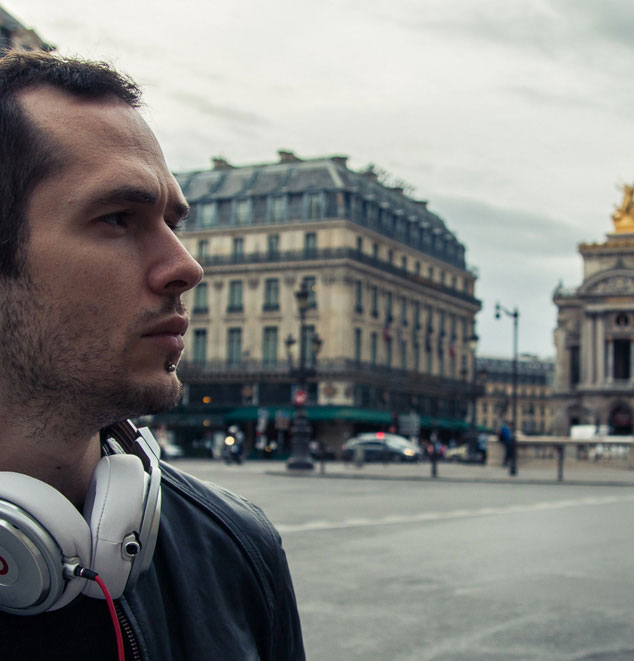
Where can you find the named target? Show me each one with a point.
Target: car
(380, 446)
(171, 451)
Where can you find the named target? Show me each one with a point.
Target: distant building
(594, 379)
(390, 296)
(534, 387)
(14, 35)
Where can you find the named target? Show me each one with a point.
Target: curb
(472, 480)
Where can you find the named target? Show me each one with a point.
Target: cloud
(490, 229)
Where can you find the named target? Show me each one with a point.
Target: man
(91, 321)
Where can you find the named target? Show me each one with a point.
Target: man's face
(96, 318)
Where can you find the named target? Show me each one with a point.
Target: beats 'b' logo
(4, 567)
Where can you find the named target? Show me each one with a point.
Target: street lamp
(472, 344)
(513, 450)
(300, 431)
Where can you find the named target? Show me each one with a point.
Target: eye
(118, 219)
(177, 226)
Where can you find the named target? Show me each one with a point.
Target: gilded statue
(623, 216)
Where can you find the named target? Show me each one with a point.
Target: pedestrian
(504, 436)
(91, 278)
(482, 444)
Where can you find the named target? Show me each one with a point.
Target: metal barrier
(559, 444)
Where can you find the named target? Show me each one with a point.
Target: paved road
(453, 570)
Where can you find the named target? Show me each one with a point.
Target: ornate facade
(594, 379)
(390, 296)
(534, 388)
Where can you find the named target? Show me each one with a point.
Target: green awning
(332, 413)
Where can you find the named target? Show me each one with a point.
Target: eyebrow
(139, 196)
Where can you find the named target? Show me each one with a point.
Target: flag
(387, 331)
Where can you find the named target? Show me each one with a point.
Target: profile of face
(96, 318)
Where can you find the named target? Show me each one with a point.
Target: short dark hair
(27, 155)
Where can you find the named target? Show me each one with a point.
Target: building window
(207, 216)
(242, 212)
(358, 297)
(278, 208)
(273, 245)
(238, 249)
(269, 345)
(271, 294)
(403, 354)
(404, 263)
(357, 345)
(307, 342)
(390, 256)
(234, 346)
(416, 348)
(430, 272)
(203, 250)
(373, 348)
(314, 205)
(417, 268)
(310, 283)
(235, 296)
(200, 345)
(403, 311)
(200, 298)
(388, 351)
(375, 250)
(310, 244)
(359, 244)
(388, 306)
(622, 362)
(374, 297)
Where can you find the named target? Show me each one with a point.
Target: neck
(57, 454)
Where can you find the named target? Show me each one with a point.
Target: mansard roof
(292, 175)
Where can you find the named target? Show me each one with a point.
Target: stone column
(599, 350)
(585, 357)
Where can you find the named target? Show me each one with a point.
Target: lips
(173, 326)
(168, 335)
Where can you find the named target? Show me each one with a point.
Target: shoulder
(240, 518)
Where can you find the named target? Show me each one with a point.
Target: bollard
(560, 462)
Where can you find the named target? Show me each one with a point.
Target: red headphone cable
(93, 576)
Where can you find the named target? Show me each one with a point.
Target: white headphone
(44, 538)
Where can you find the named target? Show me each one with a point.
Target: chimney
(340, 160)
(220, 163)
(287, 156)
(370, 173)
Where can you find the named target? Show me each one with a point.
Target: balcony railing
(326, 254)
(358, 371)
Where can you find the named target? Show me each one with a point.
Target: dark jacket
(219, 587)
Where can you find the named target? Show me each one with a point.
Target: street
(405, 570)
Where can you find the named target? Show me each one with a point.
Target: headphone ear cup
(40, 529)
(114, 510)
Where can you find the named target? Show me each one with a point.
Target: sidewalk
(531, 472)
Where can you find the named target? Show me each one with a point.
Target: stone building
(14, 35)
(534, 388)
(390, 297)
(594, 377)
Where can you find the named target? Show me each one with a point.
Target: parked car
(171, 451)
(380, 446)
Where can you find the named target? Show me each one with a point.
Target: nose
(176, 272)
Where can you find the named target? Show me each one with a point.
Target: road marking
(421, 517)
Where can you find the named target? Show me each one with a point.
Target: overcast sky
(513, 119)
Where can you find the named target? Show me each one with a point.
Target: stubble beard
(57, 369)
